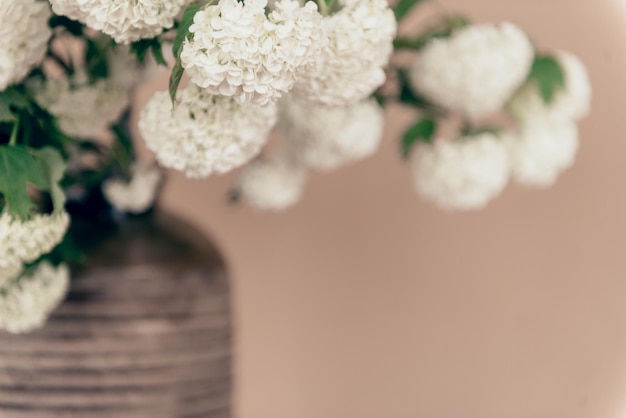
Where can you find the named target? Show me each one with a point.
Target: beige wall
(367, 302)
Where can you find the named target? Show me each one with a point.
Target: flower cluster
(476, 70)
(25, 241)
(204, 134)
(137, 195)
(328, 138)
(350, 68)
(24, 35)
(462, 174)
(235, 50)
(272, 183)
(26, 302)
(123, 20)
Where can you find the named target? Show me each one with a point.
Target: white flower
(326, 138)
(350, 67)
(571, 103)
(125, 21)
(271, 183)
(542, 150)
(24, 35)
(26, 303)
(25, 241)
(138, 195)
(9, 273)
(204, 134)
(462, 174)
(476, 70)
(237, 51)
(83, 110)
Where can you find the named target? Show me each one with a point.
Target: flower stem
(323, 7)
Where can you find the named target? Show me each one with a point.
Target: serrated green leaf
(18, 168)
(423, 131)
(547, 73)
(402, 7)
(183, 28)
(53, 167)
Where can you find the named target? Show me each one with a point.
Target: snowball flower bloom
(236, 51)
(26, 303)
(9, 273)
(24, 35)
(138, 195)
(327, 138)
(542, 150)
(571, 103)
(83, 110)
(204, 134)
(25, 241)
(272, 183)
(462, 174)
(350, 68)
(476, 70)
(123, 20)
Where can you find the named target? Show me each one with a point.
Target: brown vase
(145, 332)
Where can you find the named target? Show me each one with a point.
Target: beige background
(367, 302)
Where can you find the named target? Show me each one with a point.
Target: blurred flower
(25, 241)
(236, 51)
(138, 195)
(542, 150)
(83, 110)
(123, 20)
(204, 134)
(350, 67)
(326, 138)
(570, 103)
(475, 70)
(24, 35)
(9, 273)
(26, 302)
(462, 174)
(271, 183)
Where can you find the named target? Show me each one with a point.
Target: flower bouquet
(489, 106)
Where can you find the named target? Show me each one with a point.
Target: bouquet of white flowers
(318, 73)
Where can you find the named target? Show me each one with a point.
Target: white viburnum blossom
(125, 21)
(9, 273)
(235, 50)
(138, 195)
(204, 134)
(462, 174)
(83, 110)
(271, 183)
(327, 138)
(26, 302)
(25, 241)
(24, 35)
(542, 149)
(571, 103)
(350, 67)
(476, 70)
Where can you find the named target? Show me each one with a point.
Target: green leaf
(424, 130)
(175, 77)
(96, 61)
(6, 115)
(404, 6)
(183, 28)
(72, 26)
(181, 35)
(157, 53)
(12, 100)
(53, 167)
(18, 168)
(444, 30)
(141, 48)
(549, 76)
